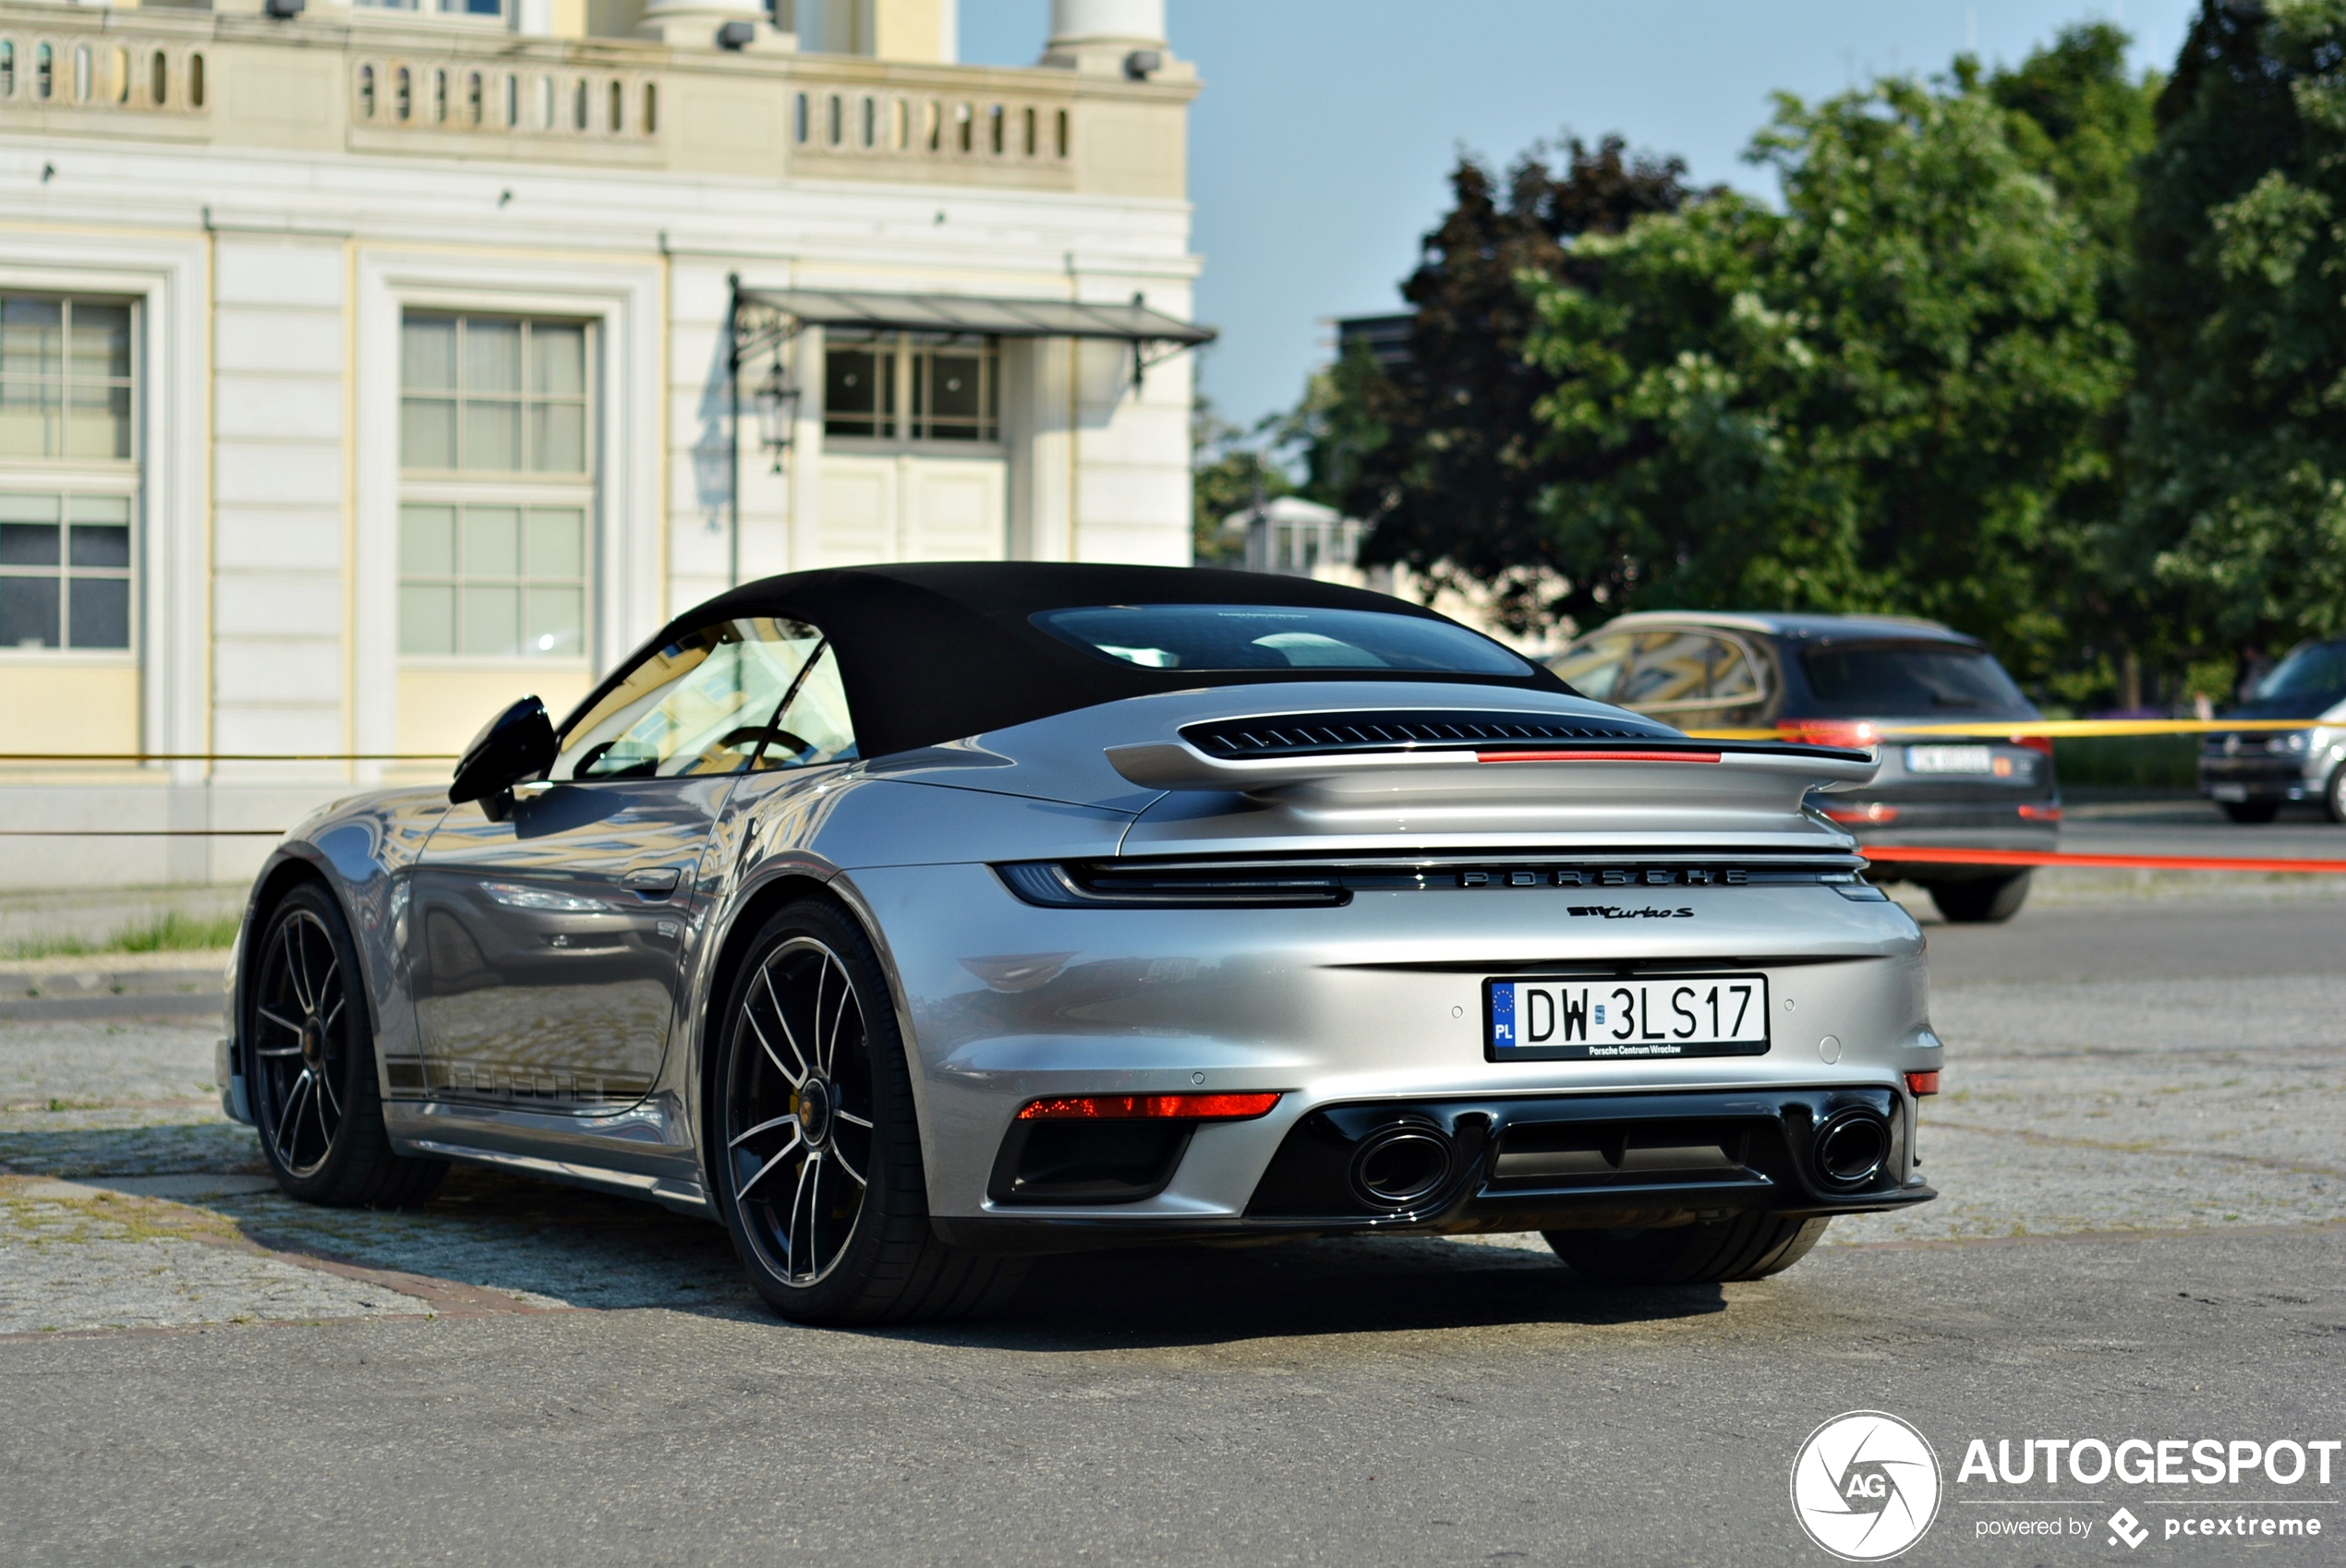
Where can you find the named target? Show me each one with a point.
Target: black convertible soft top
(938, 651)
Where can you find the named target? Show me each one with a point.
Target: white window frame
(905, 352)
(519, 489)
(70, 477)
(627, 563)
(171, 590)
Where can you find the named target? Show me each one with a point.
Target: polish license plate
(1686, 1015)
(2232, 793)
(1950, 759)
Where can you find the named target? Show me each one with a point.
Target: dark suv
(2251, 773)
(1854, 680)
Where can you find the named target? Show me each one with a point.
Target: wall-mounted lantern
(776, 400)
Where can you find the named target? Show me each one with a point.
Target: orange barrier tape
(2012, 729)
(1928, 855)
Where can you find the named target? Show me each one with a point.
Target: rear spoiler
(1645, 769)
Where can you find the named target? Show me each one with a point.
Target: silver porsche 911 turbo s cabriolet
(911, 921)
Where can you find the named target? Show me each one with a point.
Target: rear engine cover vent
(1312, 734)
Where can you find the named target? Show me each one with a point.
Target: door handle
(662, 880)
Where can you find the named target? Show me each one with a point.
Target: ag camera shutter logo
(1866, 1486)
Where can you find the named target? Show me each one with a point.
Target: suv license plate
(1688, 1015)
(1952, 759)
(2236, 793)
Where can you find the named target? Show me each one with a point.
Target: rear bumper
(1545, 1163)
(2241, 778)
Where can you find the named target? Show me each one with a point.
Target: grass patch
(173, 931)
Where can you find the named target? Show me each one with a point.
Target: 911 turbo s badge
(1614, 911)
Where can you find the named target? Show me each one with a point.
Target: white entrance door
(913, 507)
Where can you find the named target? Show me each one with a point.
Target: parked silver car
(912, 920)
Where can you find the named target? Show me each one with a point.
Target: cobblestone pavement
(2129, 1103)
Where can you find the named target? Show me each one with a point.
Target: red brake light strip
(1149, 1107)
(1596, 756)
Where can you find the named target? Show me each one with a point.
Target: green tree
(1230, 470)
(1875, 399)
(1443, 457)
(2237, 452)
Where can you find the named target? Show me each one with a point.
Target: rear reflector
(1150, 1108)
(2040, 814)
(1596, 756)
(1876, 812)
(1922, 1083)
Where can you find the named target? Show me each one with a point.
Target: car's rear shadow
(540, 1243)
(1201, 1295)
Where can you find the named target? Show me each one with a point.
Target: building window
(403, 95)
(492, 394)
(473, 99)
(651, 108)
(912, 386)
(118, 74)
(485, 8)
(44, 80)
(7, 69)
(1063, 133)
(65, 379)
(195, 82)
(81, 73)
(496, 491)
(1027, 115)
(492, 582)
(64, 570)
(799, 131)
(159, 86)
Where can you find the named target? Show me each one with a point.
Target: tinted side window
(1684, 669)
(705, 703)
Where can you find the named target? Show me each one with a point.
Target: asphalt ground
(2143, 1235)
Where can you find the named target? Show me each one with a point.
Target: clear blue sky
(1321, 144)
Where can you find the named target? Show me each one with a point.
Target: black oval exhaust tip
(1851, 1147)
(1398, 1166)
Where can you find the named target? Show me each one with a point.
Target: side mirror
(516, 745)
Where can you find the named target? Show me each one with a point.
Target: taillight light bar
(1149, 1107)
(1596, 756)
(1855, 733)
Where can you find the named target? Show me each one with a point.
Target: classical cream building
(366, 366)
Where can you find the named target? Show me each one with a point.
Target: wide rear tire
(815, 1155)
(1748, 1246)
(309, 1065)
(1985, 901)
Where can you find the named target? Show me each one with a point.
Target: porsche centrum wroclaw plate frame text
(1547, 1018)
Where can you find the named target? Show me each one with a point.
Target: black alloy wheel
(799, 1114)
(310, 1064)
(817, 1159)
(1748, 1246)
